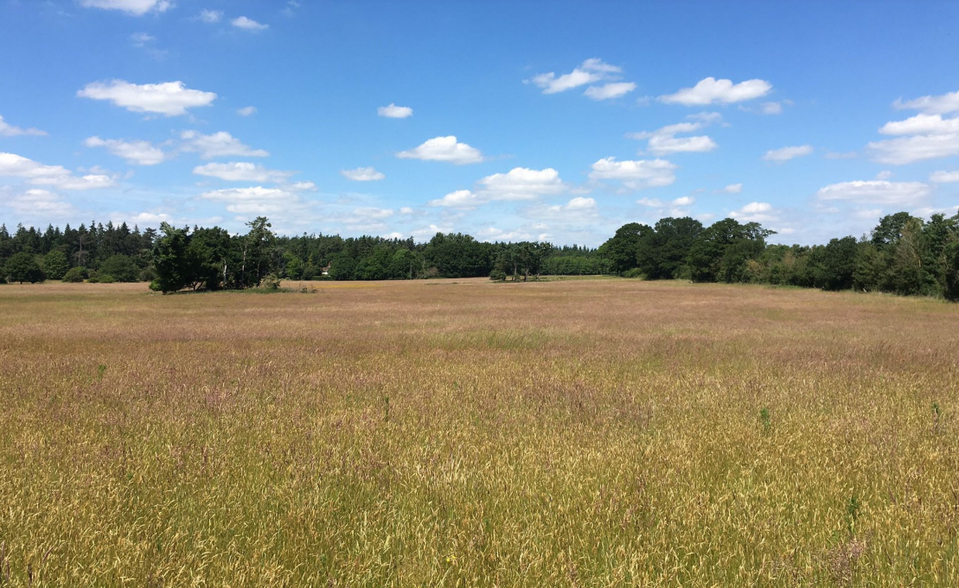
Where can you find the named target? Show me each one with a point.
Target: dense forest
(903, 254)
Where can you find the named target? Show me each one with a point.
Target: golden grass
(573, 433)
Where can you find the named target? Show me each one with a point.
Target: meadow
(467, 433)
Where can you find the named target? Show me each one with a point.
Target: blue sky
(506, 120)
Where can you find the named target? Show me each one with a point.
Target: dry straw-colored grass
(580, 433)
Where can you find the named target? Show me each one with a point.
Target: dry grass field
(464, 433)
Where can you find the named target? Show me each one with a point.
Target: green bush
(102, 278)
(121, 268)
(497, 275)
(633, 273)
(75, 275)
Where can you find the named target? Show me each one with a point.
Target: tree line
(903, 254)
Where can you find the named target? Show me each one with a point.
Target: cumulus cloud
(787, 153)
(943, 177)
(461, 199)
(610, 90)
(137, 152)
(732, 189)
(132, 7)
(876, 192)
(255, 200)
(8, 130)
(58, 177)
(444, 149)
(755, 212)
(519, 183)
(246, 111)
(168, 99)
(590, 71)
(248, 24)
(221, 144)
(394, 111)
(943, 104)
(362, 174)
(664, 141)
(522, 183)
(242, 172)
(43, 203)
(917, 148)
(635, 175)
(302, 187)
(713, 91)
(210, 16)
(927, 135)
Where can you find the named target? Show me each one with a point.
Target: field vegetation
(471, 433)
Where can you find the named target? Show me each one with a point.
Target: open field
(464, 433)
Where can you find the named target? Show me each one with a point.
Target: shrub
(497, 275)
(121, 268)
(75, 275)
(633, 273)
(102, 278)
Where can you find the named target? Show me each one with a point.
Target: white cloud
(246, 111)
(242, 172)
(362, 174)
(151, 218)
(431, 230)
(924, 136)
(684, 201)
(845, 155)
(884, 175)
(664, 141)
(771, 108)
(931, 104)
(141, 39)
(461, 199)
(302, 187)
(248, 24)
(134, 7)
(43, 203)
(168, 99)
(12, 165)
(733, 189)
(138, 152)
(650, 202)
(921, 124)
(7, 130)
(590, 71)
(363, 215)
(444, 149)
(255, 200)
(220, 144)
(490, 234)
(943, 177)
(521, 183)
(711, 90)
(876, 192)
(210, 16)
(611, 90)
(394, 111)
(635, 175)
(755, 212)
(916, 148)
(787, 153)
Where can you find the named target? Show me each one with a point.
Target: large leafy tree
(23, 267)
(621, 250)
(170, 260)
(661, 253)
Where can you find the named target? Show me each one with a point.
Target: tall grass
(576, 433)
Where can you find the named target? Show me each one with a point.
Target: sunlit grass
(574, 433)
